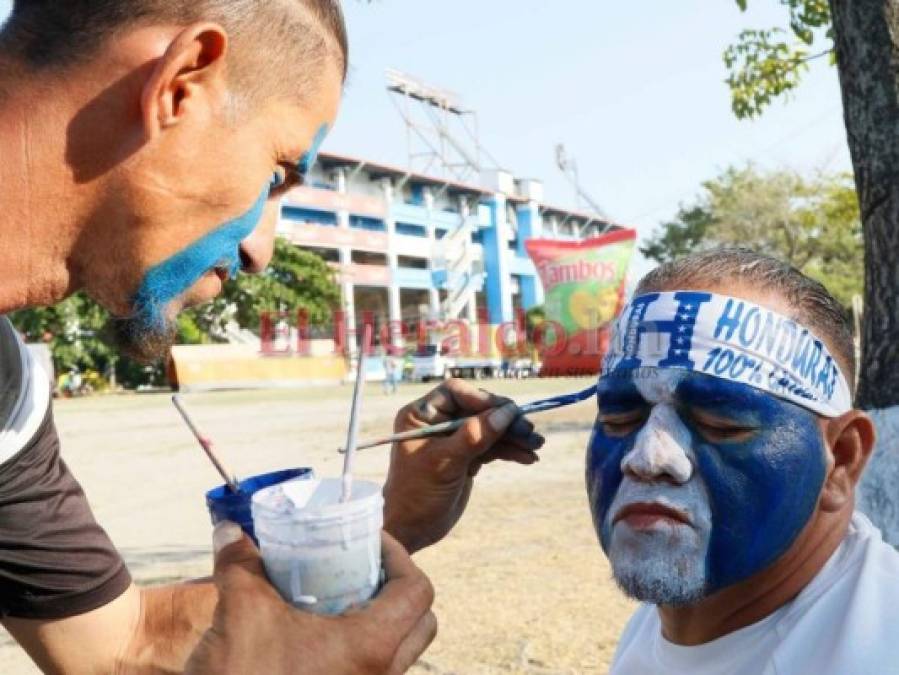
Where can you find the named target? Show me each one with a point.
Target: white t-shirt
(845, 622)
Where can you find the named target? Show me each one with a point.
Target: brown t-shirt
(55, 559)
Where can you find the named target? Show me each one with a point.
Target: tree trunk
(867, 46)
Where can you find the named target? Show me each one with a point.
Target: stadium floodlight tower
(568, 166)
(441, 134)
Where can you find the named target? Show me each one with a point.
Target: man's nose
(660, 451)
(257, 249)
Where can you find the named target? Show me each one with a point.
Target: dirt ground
(522, 586)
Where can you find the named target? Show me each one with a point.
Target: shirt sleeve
(55, 559)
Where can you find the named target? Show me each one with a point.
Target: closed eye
(622, 423)
(719, 429)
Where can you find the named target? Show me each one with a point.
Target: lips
(644, 511)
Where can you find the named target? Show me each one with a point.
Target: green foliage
(686, 233)
(765, 64)
(814, 224)
(295, 279)
(74, 328)
(532, 319)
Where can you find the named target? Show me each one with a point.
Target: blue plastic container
(223, 504)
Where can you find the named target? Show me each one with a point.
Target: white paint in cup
(322, 555)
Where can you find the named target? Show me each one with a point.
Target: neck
(751, 600)
(40, 203)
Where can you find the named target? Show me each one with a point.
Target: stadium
(407, 245)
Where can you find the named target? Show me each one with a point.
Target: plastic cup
(223, 504)
(322, 556)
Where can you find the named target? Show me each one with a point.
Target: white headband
(731, 339)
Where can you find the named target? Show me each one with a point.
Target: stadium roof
(379, 170)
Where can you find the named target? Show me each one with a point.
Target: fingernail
(522, 427)
(501, 418)
(225, 534)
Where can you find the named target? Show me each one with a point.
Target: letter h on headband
(678, 329)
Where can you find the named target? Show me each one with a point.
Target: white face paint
(655, 558)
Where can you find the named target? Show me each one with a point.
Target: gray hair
(812, 304)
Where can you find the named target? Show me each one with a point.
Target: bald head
(271, 40)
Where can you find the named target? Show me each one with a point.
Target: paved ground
(522, 585)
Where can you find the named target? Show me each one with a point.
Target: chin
(658, 568)
(145, 339)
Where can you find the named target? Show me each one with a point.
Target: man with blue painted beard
(722, 472)
(146, 145)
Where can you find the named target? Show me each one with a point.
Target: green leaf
(762, 66)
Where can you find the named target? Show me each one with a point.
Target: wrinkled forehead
(649, 385)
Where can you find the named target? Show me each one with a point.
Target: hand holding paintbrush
(451, 426)
(431, 477)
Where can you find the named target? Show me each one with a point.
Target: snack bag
(583, 283)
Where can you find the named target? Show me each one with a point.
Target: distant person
(146, 146)
(390, 373)
(721, 476)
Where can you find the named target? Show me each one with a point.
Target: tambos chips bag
(583, 283)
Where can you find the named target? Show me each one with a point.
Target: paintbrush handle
(451, 426)
(444, 428)
(230, 478)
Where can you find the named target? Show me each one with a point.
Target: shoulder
(24, 393)
(852, 606)
(642, 628)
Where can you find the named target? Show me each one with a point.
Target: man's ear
(189, 76)
(850, 438)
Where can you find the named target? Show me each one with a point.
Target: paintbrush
(206, 444)
(352, 435)
(447, 428)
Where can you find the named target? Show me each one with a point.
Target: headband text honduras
(732, 339)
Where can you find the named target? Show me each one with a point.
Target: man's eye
(619, 424)
(715, 430)
(279, 178)
(283, 179)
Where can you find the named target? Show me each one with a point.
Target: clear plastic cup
(322, 556)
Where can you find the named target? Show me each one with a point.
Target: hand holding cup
(255, 631)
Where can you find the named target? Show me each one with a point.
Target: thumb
(479, 433)
(233, 549)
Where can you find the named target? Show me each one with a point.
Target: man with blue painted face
(722, 472)
(721, 475)
(145, 145)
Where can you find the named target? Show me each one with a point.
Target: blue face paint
(307, 161)
(172, 277)
(762, 490)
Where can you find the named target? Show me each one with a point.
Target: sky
(635, 90)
